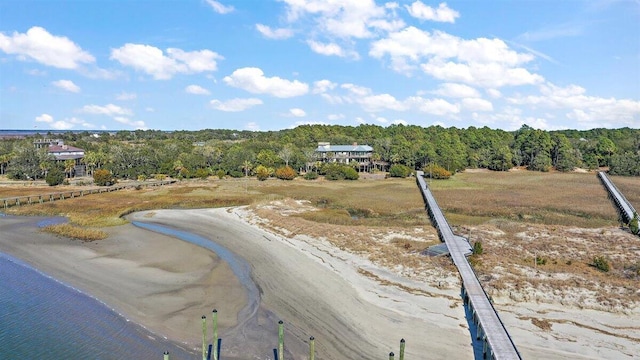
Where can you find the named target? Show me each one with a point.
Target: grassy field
(563, 220)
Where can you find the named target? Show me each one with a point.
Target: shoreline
(353, 308)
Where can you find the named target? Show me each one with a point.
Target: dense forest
(184, 154)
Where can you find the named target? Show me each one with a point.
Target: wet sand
(354, 309)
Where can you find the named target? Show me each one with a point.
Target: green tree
(55, 176)
(398, 170)
(25, 165)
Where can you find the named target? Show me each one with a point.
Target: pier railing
(623, 206)
(70, 194)
(497, 343)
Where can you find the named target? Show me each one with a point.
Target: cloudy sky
(269, 65)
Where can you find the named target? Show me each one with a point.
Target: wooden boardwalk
(497, 344)
(624, 207)
(62, 195)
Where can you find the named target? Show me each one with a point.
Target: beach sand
(353, 308)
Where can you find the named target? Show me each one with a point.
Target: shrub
(398, 170)
(600, 263)
(262, 173)
(201, 173)
(333, 172)
(55, 176)
(477, 248)
(142, 177)
(633, 224)
(311, 175)
(220, 174)
(350, 173)
(236, 174)
(286, 173)
(160, 177)
(102, 177)
(436, 171)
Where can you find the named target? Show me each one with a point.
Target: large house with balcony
(62, 153)
(362, 155)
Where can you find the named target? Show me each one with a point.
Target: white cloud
(490, 75)
(235, 105)
(252, 126)
(481, 62)
(477, 104)
(586, 111)
(153, 61)
(496, 94)
(44, 118)
(220, 8)
(149, 109)
(345, 19)
(67, 85)
(326, 49)
(323, 86)
(109, 110)
(400, 122)
(196, 90)
(277, 34)
(65, 124)
(456, 91)
(125, 96)
(334, 117)
(134, 124)
(37, 72)
(434, 106)
(253, 80)
(297, 112)
(424, 12)
(39, 45)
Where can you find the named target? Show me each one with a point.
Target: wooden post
(391, 355)
(215, 334)
(402, 344)
(204, 337)
(312, 348)
(166, 355)
(280, 340)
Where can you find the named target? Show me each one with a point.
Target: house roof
(341, 148)
(63, 149)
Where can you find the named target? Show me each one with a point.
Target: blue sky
(270, 65)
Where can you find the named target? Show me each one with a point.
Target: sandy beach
(354, 308)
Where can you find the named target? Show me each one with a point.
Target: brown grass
(76, 232)
(564, 218)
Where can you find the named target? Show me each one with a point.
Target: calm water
(41, 318)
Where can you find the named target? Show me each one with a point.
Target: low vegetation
(76, 232)
(540, 232)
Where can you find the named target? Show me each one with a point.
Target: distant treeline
(143, 153)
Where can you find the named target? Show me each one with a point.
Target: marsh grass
(76, 232)
(566, 219)
(574, 199)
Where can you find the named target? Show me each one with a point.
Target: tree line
(187, 154)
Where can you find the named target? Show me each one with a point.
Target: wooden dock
(497, 343)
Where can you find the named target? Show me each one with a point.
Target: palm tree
(246, 165)
(5, 159)
(69, 166)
